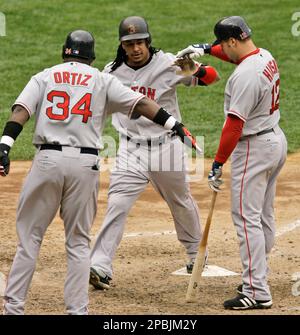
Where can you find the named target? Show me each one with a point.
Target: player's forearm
(20, 115)
(230, 136)
(13, 127)
(151, 110)
(216, 51)
(147, 108)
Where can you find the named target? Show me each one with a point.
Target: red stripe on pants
(241, 213)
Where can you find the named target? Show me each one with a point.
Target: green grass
(36, 31)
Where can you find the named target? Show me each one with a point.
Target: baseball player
(258, 146)
(145, 69)
(70, 102)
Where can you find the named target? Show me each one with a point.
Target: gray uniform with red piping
(70, 102)
(252, 94)
(148, 153)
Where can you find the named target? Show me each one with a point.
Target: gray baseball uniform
(70, 102)
(252, 94)
(148, 153)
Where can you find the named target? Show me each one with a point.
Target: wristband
(7, 140)
(10, 132)
(164, 119)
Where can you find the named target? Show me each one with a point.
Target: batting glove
(185, 135)
(214, 176)
(194, 50)
(4, 160)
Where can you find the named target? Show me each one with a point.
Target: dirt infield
(143, 283)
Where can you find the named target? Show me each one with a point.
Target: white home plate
(2, 284)
(209, 271)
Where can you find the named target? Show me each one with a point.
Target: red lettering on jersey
(64, 105)
(275, 97)
(66, 77)
(79, 79)
(268, 74)
(86, 78)
(61, 112)
(73, 75)
(270, 70)
(57, 77)
(275, 66)
(142, 90)
(151, 93)
(72, 78)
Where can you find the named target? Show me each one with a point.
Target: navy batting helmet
(231, 26)
(134, 28)
(80, 44)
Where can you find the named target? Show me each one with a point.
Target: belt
(263, 132)
(58, 147)
(154, 141)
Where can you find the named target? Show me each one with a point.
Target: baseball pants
(255, 165)
(130, 179)
(62, 179)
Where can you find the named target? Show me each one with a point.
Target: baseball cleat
(239, 289)
(242, 302)
(99, 279)
(190, 266)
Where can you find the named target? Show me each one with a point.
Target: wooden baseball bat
(191, 294)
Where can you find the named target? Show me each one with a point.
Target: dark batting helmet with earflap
(231, 26)
(134, 28)
(79, 44)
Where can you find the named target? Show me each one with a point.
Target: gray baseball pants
(136, 166)
(255, 165)
(62, 179)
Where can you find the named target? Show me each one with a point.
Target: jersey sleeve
(30, 96)
(121, 98)
(244, 94)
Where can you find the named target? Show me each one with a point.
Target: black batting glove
(184, 134)
(4, 160)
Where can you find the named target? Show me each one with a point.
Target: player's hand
(214, 176)
(184, 134)
(187, 66)
(4, 160)
(195, 50)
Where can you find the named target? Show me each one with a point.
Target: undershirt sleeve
(230, 136)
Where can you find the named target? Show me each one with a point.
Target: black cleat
(190, 266)
(242, 302)
(239, 289)
(99, 279)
